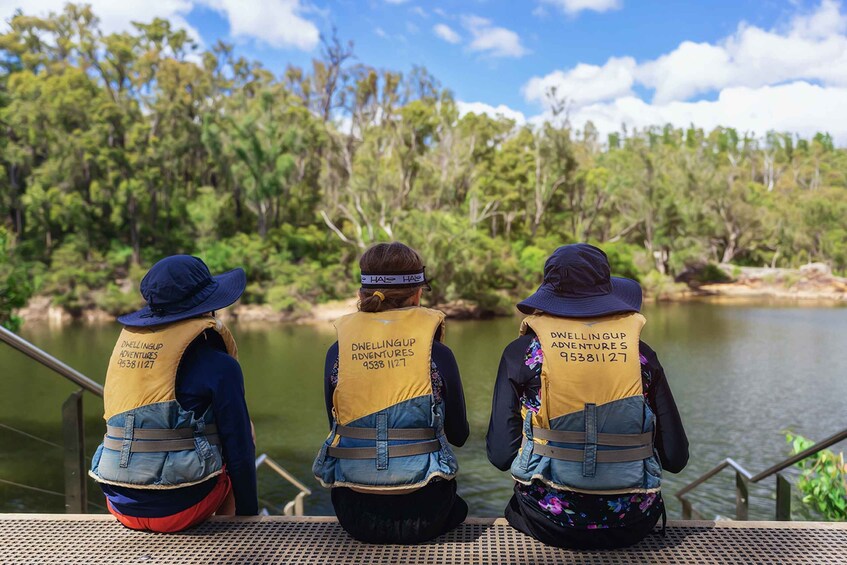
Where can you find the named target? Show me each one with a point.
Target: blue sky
(642, 29)
(757, 65)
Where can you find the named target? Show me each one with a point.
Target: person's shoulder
(650, 356)
(442, 355)
(207, 352)
(439, 347)
(519, 345)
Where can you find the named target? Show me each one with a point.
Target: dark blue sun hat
(181, 287)
(578, 284)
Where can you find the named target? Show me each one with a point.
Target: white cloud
(584, 84)
(573, 7)
(114, 16)
(495, 112)
(278, 23)
(396, 2)
(446, 33)
(797, 107)
(787, 78)
(492, 40)
(813, 47)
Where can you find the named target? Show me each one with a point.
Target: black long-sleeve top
(515, 378)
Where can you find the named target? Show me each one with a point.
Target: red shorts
(181, 520)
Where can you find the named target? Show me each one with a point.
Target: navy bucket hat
(181, 287)
(578, 284)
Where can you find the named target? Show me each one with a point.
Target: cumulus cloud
(114, 16)
(501, 111)
(757, 79)
(446, 33)
(813, 47)
(797, 107)
(492, 40)
(573, 7)
(584, 84)
(279, 23)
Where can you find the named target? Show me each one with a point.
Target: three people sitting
(582, 413)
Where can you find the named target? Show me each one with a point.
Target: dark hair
(392, 257)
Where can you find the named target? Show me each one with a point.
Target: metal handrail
(294, 507)
(30, 350)
(743, 478)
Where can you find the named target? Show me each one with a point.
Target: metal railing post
(686, 509)
(293, 507)
(742, 497)
(76, 496)
(783, 498)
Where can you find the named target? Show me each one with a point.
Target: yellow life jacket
(151, 442)
(143, 366)
(388, 432)
(593, 430)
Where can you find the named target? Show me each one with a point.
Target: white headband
(372, 280)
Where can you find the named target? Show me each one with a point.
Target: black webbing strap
(393, 450)
(604, 456)
(615, 440)
(159, 433)
(393, 433)
(154, 446)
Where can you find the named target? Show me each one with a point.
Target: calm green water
(740, 375)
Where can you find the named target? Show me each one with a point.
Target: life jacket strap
(393, 433)
(615, 440)
(404, 450)
(606, 456)
(159, 433)
(155, 446)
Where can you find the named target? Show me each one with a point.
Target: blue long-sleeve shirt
(207, 376)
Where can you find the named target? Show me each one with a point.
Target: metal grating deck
(92, 540)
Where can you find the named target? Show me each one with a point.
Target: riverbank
(40, 310)
(812, 284)
(809, 284)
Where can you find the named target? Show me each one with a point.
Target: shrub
(823, 479)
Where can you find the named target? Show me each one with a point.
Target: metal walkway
(91, 540)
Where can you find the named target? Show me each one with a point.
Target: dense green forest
(119, 149)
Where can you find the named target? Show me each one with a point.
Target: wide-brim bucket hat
(578, 284)
(181, 287)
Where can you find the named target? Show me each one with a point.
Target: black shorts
(400, 518)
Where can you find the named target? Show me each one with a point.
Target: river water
(741, 375)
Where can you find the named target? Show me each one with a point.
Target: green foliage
(711, 273)
(119, 149)
(823, 479)
(15, 286)
(622, 259)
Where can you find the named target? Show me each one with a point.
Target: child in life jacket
(179, 444)
(395, 404)
(582, 414)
